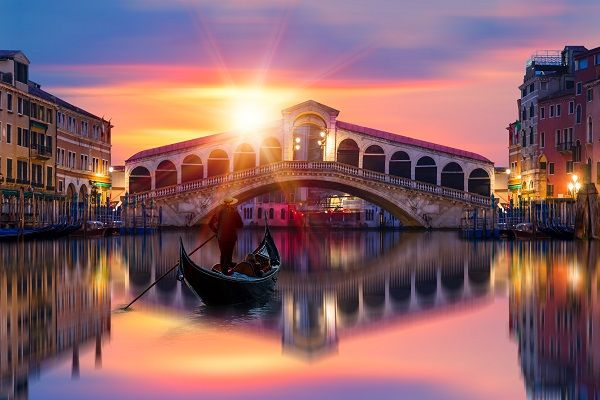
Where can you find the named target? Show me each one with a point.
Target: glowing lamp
(507, 171)
(322, 133)
(297, 147)
(570, 186)
(111, 169)
(297, 139)
(319, 142)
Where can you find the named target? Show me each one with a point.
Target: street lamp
(574, 185)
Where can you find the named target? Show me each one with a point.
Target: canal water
(357, 314)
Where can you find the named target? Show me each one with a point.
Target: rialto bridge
(422, 183)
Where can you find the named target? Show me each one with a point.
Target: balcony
(41, 152)
(564, 147)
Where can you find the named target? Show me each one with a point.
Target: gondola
(215, 288)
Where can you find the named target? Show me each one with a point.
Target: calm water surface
(357, 314)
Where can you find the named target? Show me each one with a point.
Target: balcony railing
(42, 152)
(564, 147)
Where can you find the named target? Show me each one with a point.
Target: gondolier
(225, 222)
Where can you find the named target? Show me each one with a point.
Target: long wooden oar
(167, 273)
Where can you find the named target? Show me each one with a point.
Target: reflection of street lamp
(574, 185)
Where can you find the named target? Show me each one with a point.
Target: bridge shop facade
(307, 155)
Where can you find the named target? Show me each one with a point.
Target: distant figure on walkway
(225, 222)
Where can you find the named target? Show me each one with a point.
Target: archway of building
(270, 151)
(426, 170)
(244, 157)
(71, 192)
(374, 159)
(165, 174)
(83, 191)
(140, 180)
(453, 176)
(308, 142)
(400, 164)
(479, 182)
(192, 169)
(218, 163)
(395, 209)
(348, 152)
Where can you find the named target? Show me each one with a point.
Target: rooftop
(36, 91)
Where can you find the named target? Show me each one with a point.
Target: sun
(249, 116)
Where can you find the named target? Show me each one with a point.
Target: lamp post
(574, 186)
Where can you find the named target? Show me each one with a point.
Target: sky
(166, 71)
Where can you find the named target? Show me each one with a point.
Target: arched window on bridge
(271, 213)
(308, 143)
(374, 159)
(166, 174)
(283, 213)
(400, 164)
(218, 163)
(139, 180)
(244, 157)
(270, 151)
(479, 182)
(426, 170)
(453, 176)
(192, 169)
(347, 152)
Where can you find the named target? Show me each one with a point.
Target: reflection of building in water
(48, 308)
(555, 320)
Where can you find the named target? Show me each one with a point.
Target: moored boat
(216, 288)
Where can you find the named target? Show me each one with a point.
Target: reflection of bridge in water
(366, 280)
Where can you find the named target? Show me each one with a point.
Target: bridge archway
(426, 170)
(400, 164)
(192, 169)
(347, 152)
(166, 174)
(453, 176)
(479, 182)
(270, 151)
(218, 163)
(140, 180)
(244, 157)
(374, 159)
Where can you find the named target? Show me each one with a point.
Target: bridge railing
(316, 167)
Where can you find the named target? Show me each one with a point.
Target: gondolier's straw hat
(229, 200)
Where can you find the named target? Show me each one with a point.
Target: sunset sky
(166, 71)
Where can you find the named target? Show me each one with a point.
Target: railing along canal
(316, 168)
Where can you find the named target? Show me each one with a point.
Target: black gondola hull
(215, 288)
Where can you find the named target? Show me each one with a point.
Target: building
(48, 147)
(551, 148)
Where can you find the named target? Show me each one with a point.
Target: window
(542, 139)
(569, 84)
(551, 168)
(558, 110)
(20, 106)
(0, 100)
(524, 138)
(531, 88)
(582, 64)
(590, 94)
(598, 172)
(531, 111)
(8, 133)
(550, 190)
(22, 172)
(551, 111)
(590, 131)
(524, 115)
(19, 136)
(369, 214)
(571, 107)
(531, 137)
(578, 114)
(578, 90)
(283, 213)
(524, 92)
(271, 213)
(597, 59)
(544, 85)
(542, 112)
(260, 213)
(557, 137)
(21, 73)
(543, 165)
(9, 169)
(9, 102)
(569, 167)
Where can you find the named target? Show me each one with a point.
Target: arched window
(244, 157)
(374, 159)
(218, 163)
(400, 164)
(578, 114)
(166, 174)
(479, 182)
(347, 152)
(310, 145)
(270, 151)
(577, 152)
(192, 169)
(140, 180)
(426, 170)
(590, 131)
(453, 176)
(259, 213)
(283, 213)
(271, 213)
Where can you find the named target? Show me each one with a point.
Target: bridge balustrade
(319, 166)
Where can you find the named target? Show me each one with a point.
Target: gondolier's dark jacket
(225, 222)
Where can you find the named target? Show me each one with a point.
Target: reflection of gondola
(215, 288)
(47, 232)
